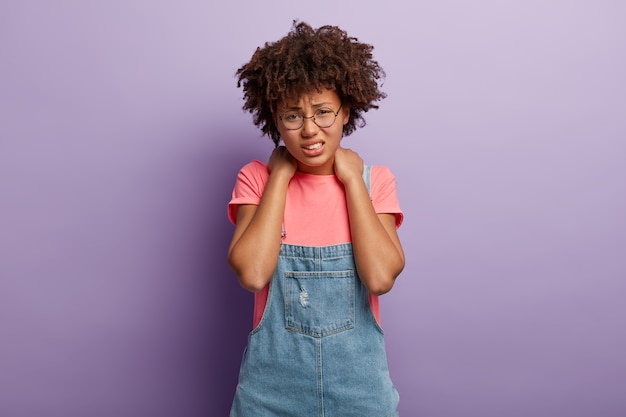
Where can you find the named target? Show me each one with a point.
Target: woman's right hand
(281, 161)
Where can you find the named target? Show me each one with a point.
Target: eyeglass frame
(335, 113)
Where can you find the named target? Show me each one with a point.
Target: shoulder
(382, 177)
(249, 187)
(382, 172)
(254, 174)
(252, 178)
(255, 168)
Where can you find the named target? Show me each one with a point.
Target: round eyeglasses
(323, 117)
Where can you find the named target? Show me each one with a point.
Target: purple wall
(120, 137)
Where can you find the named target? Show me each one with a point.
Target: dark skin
(255, 246)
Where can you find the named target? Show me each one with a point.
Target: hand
(348, 164)
(281, 161)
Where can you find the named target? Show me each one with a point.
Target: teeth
(316, 146)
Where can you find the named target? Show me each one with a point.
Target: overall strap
(367, 170)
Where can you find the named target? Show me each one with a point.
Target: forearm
(378, 254)
(254, 251)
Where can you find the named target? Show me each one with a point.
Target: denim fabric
(318, 350)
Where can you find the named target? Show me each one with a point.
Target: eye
(324, 112)
(291, 117)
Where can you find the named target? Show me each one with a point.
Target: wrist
(353, 181)
(281, 175)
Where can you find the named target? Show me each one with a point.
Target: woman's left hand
(348, 164)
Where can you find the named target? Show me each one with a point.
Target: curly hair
(309, 58)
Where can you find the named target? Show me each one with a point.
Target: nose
(309, 128)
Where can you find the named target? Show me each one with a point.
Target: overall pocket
(319, 303)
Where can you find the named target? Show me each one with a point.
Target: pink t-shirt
(315, 211)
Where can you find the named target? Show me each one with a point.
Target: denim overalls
(318, 350)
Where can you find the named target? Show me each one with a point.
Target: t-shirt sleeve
(249, 186)
(383, 192)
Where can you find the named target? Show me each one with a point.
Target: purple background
(121, 132)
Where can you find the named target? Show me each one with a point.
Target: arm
(255, 246)
(377, 250)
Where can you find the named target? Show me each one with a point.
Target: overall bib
(318, 350)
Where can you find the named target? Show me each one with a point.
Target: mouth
(313, 146)
(313, 149)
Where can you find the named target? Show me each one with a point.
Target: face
(313, 147)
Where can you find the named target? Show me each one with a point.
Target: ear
(345, 111)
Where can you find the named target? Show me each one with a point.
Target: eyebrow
(318, 105)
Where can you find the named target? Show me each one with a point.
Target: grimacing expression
(311, 128)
